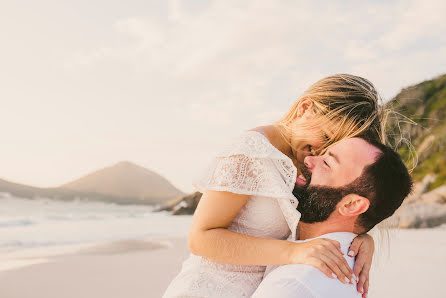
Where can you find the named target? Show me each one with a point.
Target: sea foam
(37, 228)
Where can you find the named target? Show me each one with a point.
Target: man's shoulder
(312, 279)
(301, 276)
(297, 271)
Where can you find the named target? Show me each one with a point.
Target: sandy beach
(411, 265)
(122, 269)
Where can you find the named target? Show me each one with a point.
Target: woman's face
(308, 139)
(310, 146)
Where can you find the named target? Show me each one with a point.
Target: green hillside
(424, 103)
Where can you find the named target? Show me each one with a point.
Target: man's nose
(309, 161)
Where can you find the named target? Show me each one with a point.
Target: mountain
(123, 183)
(30, 192)
(425, 104)
(126, 179)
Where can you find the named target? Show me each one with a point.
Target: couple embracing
(286, 208)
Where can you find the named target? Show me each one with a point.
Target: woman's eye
(326, 163)
(312, 151)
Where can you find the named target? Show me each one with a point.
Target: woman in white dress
(247, 210)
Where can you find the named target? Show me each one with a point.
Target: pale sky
(164, 84)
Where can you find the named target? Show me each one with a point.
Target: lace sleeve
(251, 166)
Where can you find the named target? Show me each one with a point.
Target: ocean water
(32, 229)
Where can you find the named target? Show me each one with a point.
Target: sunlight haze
(164, 84)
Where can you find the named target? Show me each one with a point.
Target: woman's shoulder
(250, 164)
(271, 133)
(258, 142)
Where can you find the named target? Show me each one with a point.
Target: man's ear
(353, 205)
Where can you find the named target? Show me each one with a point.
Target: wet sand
(130, 269)
(411, 265)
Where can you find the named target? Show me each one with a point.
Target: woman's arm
(210, 238)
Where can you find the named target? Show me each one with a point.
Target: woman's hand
(362, 247)
(325, 255)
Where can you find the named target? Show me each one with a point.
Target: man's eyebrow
(334, 156)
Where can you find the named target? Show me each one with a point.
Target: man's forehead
(355, 150)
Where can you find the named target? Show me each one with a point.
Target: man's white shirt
(304, 281)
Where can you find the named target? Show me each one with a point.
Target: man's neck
(307, 230)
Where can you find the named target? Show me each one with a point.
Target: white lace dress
(249, 165)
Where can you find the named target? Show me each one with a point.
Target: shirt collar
(344, 238)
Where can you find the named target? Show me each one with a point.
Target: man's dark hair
(385, 183)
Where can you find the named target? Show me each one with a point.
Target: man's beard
(316, 203)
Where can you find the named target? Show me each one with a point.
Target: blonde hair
(350, 106)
